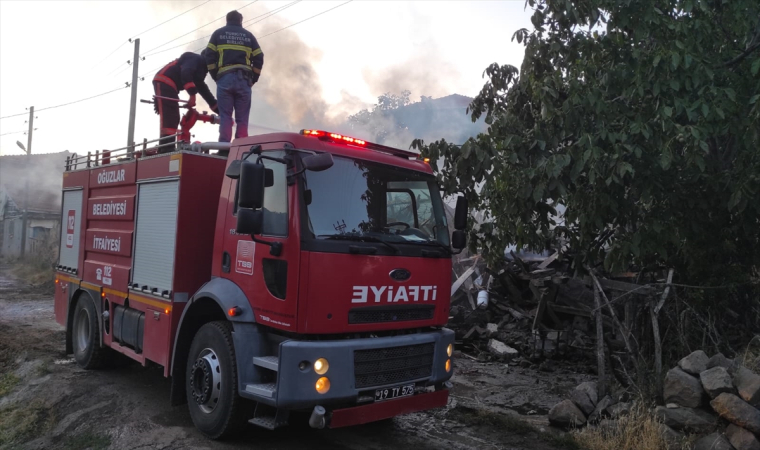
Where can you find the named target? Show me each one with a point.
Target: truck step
(269, 417)
(267, 362)
(263, 389)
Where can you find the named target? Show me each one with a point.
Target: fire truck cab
(302, 272)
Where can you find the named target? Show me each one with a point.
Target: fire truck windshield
(371, 201)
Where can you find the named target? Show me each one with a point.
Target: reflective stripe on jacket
(233, 47)
(187, 73)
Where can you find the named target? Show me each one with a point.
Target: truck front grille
(382, 366)
(379, 314)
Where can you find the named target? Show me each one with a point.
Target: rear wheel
(85, 334)
(211, 382)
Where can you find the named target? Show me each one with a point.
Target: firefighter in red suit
(186, 73)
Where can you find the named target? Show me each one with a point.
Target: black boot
(167, 144)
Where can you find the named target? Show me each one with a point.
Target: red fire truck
(287, 272)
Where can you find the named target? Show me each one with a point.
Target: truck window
(275, 199)
(412, 202)
(362, 198)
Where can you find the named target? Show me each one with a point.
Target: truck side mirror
(251, 185)
(318, 163)
(459, 239)
(233, 170)
(249, 221)
(460, 214)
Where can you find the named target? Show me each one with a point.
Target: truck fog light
(448, 365)
(321, 366)
(450, 350)
(323, 385)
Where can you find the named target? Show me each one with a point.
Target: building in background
(44, 173)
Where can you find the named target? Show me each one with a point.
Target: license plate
(394, 392)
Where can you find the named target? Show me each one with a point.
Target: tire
(85, 335)
(211, 382)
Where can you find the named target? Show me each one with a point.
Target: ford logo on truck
(400, 274)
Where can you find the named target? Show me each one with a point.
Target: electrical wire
(64, 104)
(304, 20)
(14, 132)
(269, 34)
(120, 66)
(150, 29)
(148, 53)
(166, 21)
(118, 89)
(267, 14)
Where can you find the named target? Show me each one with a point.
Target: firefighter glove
(215, 108)
(191, 103)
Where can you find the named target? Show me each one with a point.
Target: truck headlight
(450, 350)
(321, 366)
(448, 365)
(323, 385)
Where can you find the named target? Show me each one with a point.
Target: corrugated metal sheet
(155, 235)
(69, 246)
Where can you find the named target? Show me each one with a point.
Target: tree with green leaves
(640, 117)
(379, 123)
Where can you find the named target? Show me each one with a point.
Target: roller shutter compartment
(155, 236)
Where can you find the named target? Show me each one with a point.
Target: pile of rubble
(584, 407)
(530, 309)
(701, 387)
(715, 400)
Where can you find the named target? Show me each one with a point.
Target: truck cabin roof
(340, 145)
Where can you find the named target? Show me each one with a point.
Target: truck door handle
(226, 260)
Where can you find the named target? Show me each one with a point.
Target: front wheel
(211, 382)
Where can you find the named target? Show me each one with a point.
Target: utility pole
(26, 177)
(133, 102)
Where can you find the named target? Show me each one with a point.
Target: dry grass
(36, 273)
(750, 358)
(7, 382)
(18, 423)
(640, 430)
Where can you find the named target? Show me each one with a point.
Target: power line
(269, 34)
(150, 29)
(267, 14)
(166, 21)
(119, 67)
(64, 104)
(308, 18)
(14, 132)
(109, 55)
(147, 53)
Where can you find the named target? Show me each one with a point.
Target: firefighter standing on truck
(234, 60)
(186, 73)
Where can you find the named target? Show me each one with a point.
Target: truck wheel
(85, 335)
(211, 382)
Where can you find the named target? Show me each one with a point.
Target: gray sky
(315, 73)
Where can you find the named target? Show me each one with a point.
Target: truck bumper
(386, 409)
(359, 367)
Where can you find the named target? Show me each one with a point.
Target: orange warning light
(166, 311)
(103, 294)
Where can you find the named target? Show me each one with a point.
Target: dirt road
(47, 402)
